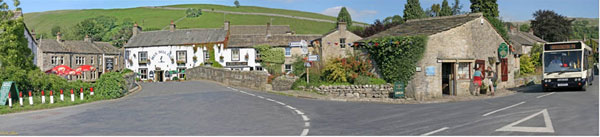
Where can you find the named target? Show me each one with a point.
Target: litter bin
(399, 88)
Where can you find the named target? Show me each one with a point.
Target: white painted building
(162, 55)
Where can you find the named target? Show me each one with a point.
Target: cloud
(356, 15)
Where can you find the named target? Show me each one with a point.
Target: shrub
(335, 72)
(377, 81)
(110, 85)
(175, 78)
(298, 66)
(125, 71)
(526, 66)
(272, 58)
(396, 57)
(362, 80)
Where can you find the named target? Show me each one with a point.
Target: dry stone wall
(356, 91)
(248, 79)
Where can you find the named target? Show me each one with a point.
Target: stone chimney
(530, 31)
(58, 37)
(172, 26)
(226, 26)
(268, 29)
(512, 29)
(342, 26)
(87, 38)
(136, 30)
(33, 34)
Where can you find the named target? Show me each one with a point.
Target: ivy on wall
(272, 58)
(211, 52)
(396, 56)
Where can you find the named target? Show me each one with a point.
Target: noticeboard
(7, 86)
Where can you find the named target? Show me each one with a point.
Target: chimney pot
(136, 29)
(87, 38)
(173, 26)
(58, 37)
(226, 26)
(268, 29)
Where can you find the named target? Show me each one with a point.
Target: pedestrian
(477, 80)
(490, 78)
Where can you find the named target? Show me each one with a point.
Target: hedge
(397, 56)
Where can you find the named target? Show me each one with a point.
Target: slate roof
(177, 37)
(524, 38)
(51, 45)
(427, 26)
(258, 29)
(244, 41)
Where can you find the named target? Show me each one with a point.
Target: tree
(95, 27)
(16, 58)
(272, 58)
(434, 11)
(524, 28)
(456, 7)
(193, 12)
(344, 16)
(581, 30)
(488, 7)
(446, 10)
(236, 3)
(396, 19)
(374, 28)
(551, 26)
(55, 30)
(413, 10)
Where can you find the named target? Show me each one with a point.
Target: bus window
(565, 61)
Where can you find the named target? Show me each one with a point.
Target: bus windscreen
(565, 61)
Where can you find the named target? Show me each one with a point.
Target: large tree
(55, 30)
(488, 7)
(344, 16)
(434, 11)
(456, 7)
(236, 3)
(446, 10)
(551, 26)
(396, 19)
(413, 10)
(15, 57)
(95, 27)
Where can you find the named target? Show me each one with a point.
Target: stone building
(101, 55)
(454, 46)
(523, 41)
(243, 39)
(337, 43)
(165, 54)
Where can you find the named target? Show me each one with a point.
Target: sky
(365, 11)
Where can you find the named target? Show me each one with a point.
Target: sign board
(109, 63)
(430, 71)
(307, 64)
(565, 46)
(313, 58)
(399, 89)
(503, 50)
(7, 86)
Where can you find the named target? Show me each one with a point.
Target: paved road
(205, 108)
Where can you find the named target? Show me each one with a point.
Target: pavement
(207, 108)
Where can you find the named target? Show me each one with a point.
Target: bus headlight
(547, 80)
(577, 79)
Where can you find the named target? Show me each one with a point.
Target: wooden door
(504, 65)
(481, 64)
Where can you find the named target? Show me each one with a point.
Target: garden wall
(524, 81)
(283, 83)
(248, 79)
(130, 81)
(356, 91)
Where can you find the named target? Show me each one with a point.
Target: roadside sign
(399, 88)
(313, 58)
(7, 86)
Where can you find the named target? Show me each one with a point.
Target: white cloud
(356, 15)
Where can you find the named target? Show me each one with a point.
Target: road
(206, 108)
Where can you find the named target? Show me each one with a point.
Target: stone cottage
(101, 55)
(337, 43)
(455, 45)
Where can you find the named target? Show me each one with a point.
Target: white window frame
(288, 52)
(235, 54)
(286, 69)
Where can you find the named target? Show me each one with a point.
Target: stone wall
(248, 79)
(356, 91)
(283, 83)
(130, 81)
(524, 81)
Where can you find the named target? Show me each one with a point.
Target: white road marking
(489, 113)
(288, 106)
(306, 124)
(251, 94)
(545, 95)
(304, 132)
(435, 131)
(261, 97)
(299, 112)
(305, 118)
(548, 128)
(280, 103)
(270, 99)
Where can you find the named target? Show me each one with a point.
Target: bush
(110, 85)
(298, 66)
(272, 58)
(175, 78)
(396, 57)
(335, 72)
(526, 66)
(362, 80)
(377, 81)
(125, 71)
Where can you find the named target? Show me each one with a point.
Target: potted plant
(195, 59)
(221, 57)
(246, 56)
(195, 49)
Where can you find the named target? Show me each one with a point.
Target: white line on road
(489, 113)
(288, 106)
(305, 118)
(299, 112)
(261, 97)
(545, 95)
(306, 124)
(304, 132)
(270, 99)
(280, 103)
(435, 131)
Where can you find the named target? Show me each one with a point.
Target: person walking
(477, 76)
(490, 78)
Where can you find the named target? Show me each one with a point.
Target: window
(93, 75)
(144, 73)
(54, 60)
(127, 52)
(259, 68)
(61, 60)
(235, 54)
(180, 70)
(181, 57)
(79, 60)
(92, 61)
(464, 71)
(288, 68)
(143, 57)
(257, 58)
(206, 56)
(342, 42)
(288, 52)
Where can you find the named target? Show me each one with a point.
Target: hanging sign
(503, 50)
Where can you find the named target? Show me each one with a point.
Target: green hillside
(157, 18)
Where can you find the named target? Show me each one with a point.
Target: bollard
(43, 98)
(9, 100)
(21, 98)
(72, 96)
(92, 91)
(62, 97)
(30, 98)
(80, 93)
(51, 97)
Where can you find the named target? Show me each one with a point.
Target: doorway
(159, 76)
(448, 78)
